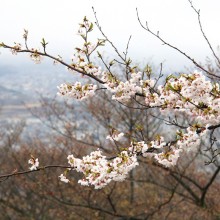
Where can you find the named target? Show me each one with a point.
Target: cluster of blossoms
(191, 94)
(77, 90)
(99, 171)
(34, 54)
(168, 158)
(110, 80)
(186, 142)
(167, 154)
(79, 62)
(123, 91)
(190, 140)
(34, 163)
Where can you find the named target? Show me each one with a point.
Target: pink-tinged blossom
(75, 162)
(63, 179)
(34, 162)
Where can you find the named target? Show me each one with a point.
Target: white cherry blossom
(115, 136)
(77, 90)
(63, 179)
(34, 163)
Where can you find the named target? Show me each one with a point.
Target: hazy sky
(57, 21)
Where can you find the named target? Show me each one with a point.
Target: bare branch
(146, 27)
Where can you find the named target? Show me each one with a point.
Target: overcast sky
(57, 21)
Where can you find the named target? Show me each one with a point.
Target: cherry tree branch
(203, 33)
(146, 27)
(16, 173)
(55, 59)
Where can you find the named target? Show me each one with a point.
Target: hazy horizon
(57, 22)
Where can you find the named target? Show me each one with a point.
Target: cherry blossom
(77, 90)
(191, 94)
(137, 147)
(34, 162)
(16, 48)
(115, 136)
(168, 158)
(124, 91)
(100, 171)
(36, 57)
(63, 179)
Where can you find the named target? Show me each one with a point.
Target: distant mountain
(20, 91)
(33, 79)
(23, 85)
